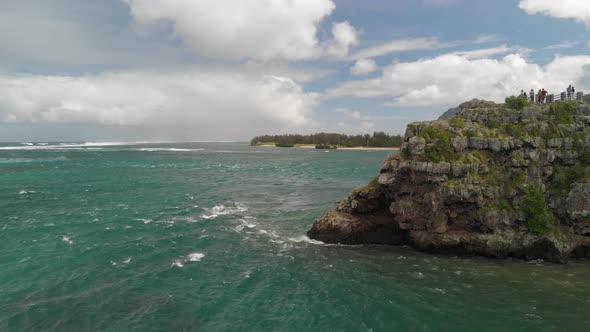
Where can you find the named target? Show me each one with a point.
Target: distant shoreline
(352, 148)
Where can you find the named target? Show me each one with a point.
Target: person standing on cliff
(573, 93)
(532, 96)
(543, 95)
(569, 92)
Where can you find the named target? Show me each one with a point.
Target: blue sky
(227, 69)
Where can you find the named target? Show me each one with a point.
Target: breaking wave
(64, 146)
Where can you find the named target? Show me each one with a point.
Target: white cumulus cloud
(396, 46)
(345, 38)
(363, 67)
(450, 79)
(207, 103)
(569, 9)
(253, 29)
(484, 52)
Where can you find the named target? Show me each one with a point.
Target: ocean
(211, 237)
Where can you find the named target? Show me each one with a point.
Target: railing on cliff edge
(579, 96)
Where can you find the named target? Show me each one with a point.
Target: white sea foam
(195, 257)
(169, 150)
(24, 192)
(63, 146)
(222, 210)
(243, 225)
(127, 261)
(67, 240)
(305, 239)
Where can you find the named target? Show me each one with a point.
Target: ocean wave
(25, 192)
(64, 146)
(177, 263)
(194, 257)
(288, 241)
(30, 160)
(244, 224)
(222, 210)
(169, 150)
(305, 239)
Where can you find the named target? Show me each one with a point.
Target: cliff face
(488, 181)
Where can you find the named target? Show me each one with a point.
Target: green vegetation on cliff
(563, 113)
(517, 102)
(538, 217)
(439, 146)
(378, 139)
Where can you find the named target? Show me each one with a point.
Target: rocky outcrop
(488, 181)
(449, 113)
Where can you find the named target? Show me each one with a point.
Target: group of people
(571, 92)
(540, 96)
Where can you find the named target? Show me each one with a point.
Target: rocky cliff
(488, 181)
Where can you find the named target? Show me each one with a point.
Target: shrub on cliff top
(441, 148)
(516, 103)
(538, 217)
(457, 123)
(431, 134)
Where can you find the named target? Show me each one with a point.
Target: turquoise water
(210, 237)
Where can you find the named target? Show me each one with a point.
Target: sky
(228, 70)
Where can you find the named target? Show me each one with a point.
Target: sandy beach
(360, 148)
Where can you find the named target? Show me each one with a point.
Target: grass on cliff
(501, 205)
(516, 130)
(439, 147)
(563, 113)
(539, 219)
(373, 184)
(457, 123)
(517, 103)
(563, 177)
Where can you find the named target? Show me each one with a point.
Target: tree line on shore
(378, 139)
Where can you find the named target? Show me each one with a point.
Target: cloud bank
(578, 10)
(253, 29)
(449, 79)
(207, 102)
